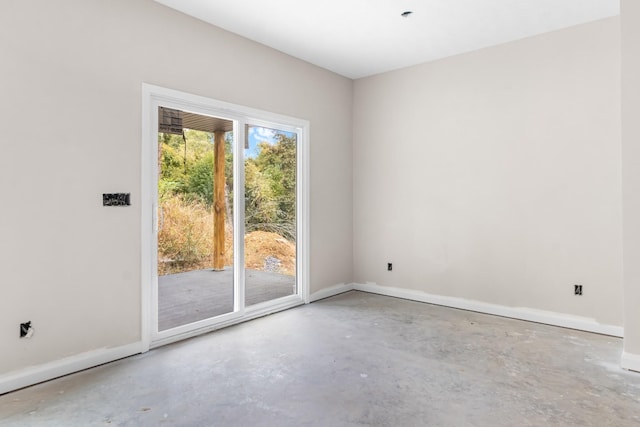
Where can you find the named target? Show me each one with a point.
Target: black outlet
(116, 199)
(389, 266)
(577, 289)
(24, 329)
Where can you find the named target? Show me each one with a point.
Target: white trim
(146, 217)
(58, 368)
(521, 313)
(250, 314)
(303, 212)
(238, 217)
(222, 109)
(338, 289)
(630, 361)
(184, 331)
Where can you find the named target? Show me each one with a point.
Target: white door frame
(154, 96)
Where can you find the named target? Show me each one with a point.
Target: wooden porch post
(219, 207)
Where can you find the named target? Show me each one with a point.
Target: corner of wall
(630, 39)
(630, 361)
(323, 293)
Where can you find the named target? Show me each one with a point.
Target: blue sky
(259, 134)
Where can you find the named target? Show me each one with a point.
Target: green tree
(200, 179)
(270, 190)
(183, 165)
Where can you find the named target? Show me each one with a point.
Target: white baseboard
(37, 374)
(521, 313)
(630, 361)
(58, 368)
(331, 291)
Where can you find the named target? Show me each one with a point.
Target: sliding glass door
(227, 241)
(195, 220)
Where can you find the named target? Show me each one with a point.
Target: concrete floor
(352, 360)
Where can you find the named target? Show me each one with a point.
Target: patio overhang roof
(174, 121)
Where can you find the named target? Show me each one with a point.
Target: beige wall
(495, 175)
(71, 74)
(630, 13)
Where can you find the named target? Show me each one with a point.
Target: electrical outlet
(577, 289)
(26, 330)
(116, 199)
(389, 266)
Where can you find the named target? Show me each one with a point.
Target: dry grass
(261, 245)
(185, 237)
(185, 242)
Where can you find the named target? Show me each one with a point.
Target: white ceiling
(357, 38)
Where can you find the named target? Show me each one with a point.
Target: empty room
(331, 213)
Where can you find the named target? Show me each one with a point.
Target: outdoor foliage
(184, 236)
(185, 191)
(270, 188)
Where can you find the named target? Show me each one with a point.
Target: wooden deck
(185, 298)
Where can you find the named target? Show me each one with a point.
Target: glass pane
(195, 219)
(270, 214)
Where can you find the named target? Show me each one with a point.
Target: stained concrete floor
(356, 359)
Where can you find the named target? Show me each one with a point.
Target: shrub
(185, 236)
